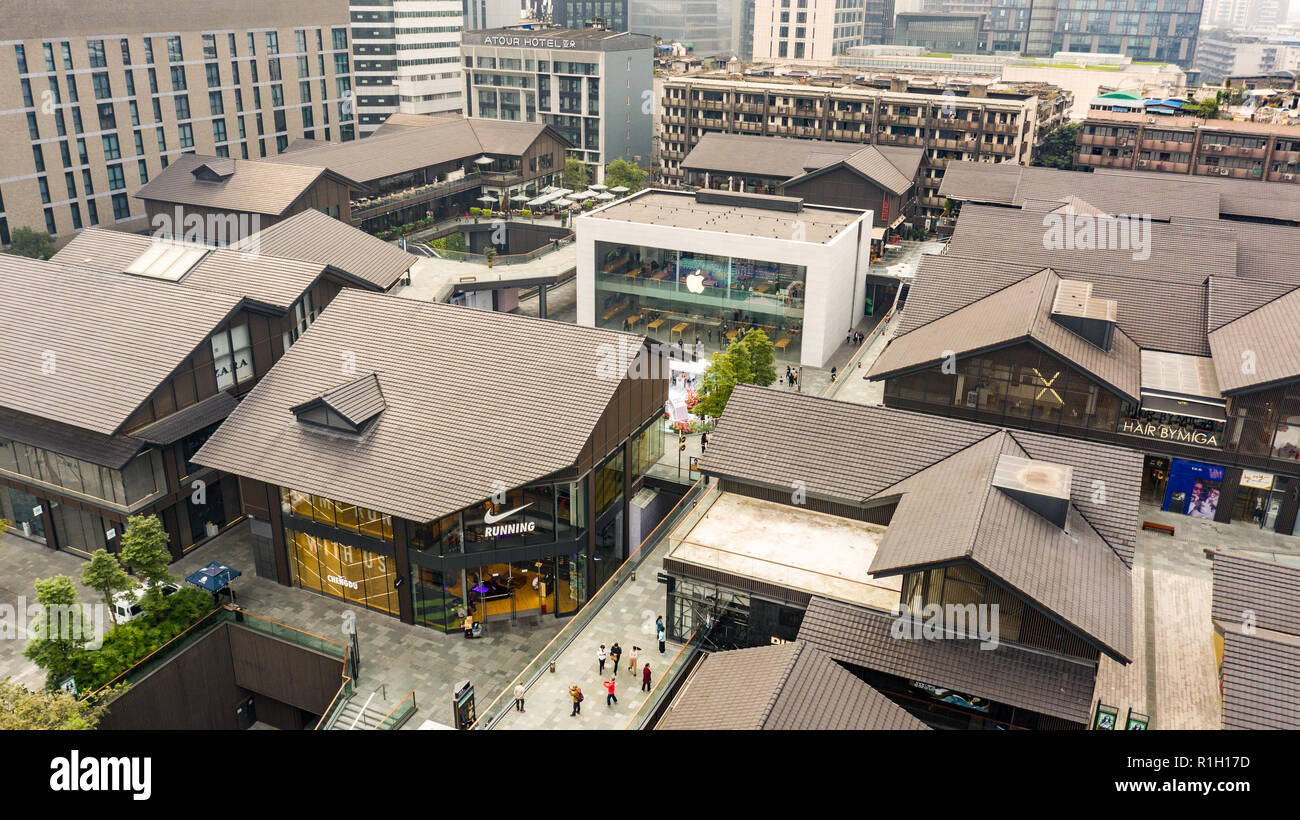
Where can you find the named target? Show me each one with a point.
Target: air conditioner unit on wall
(1223, 172)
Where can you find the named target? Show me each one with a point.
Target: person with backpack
(610, 700)
(615, 652)
(576, 694)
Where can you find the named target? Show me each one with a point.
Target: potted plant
(490, 254)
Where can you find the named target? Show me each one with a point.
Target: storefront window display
(506, 590)
(1194, 488)
(524, 516)
(435, 605)
(349, 517)
(570, 583)
(341, 571)
(677, 295)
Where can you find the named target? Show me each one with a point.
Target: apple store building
(677, 266)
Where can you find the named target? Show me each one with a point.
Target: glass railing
(712, 296)
(504, 259)
(668, 680)
(335, 708)
(401, 713)
(504, 702)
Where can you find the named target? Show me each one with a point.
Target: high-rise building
(578, 13)
(705, 25)
(819, 29)
(107, 94)
(407, 55)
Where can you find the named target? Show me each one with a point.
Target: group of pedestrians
(614, 656)
(791, 377)
(854, 337)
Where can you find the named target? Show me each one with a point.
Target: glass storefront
(676, 295)
(77, 530)
(24, 510)
(140, 479)
(341, 571)
(349, 517)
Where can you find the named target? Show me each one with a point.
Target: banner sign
(1156, 431)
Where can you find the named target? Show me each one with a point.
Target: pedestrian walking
(601, 654)
(645, 678)
(615, 652)
(704, 442)
(832, 374)
(576, 694)
(610, 700)
(519, 697)
(631, 661)
(848, 336)
(661, 634)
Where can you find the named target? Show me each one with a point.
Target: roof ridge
(799, 647)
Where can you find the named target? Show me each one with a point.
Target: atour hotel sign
(1164, 432)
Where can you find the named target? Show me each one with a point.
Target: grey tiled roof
(188, 420)
(819, 443)
(1031, 680)
(950, 511)
(1266, 592)
(317, 237)
(98, 378)
(791, 159)
(467, 393)
(1261, 682)
(357, 401)
(267, 186)
(1020, 312)
(782, 688)
(1237, 197)
(1263, 251)
(114, 452)
(1155, 314)
(1231, 297)
(1268, 337)
(274, 281)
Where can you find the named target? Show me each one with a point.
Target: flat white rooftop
(679, 209)
(789, 547)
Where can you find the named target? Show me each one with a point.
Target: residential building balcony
(1098, 161)
(846, 135)
(747, 127)
(1159, 165)
(1166, 145)
(1289, 157)
(713, 105)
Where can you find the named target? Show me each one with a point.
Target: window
(67, 56)
(107, 119)
(45, 189)
(126, 53)
(67, 155)
(59, 124)
(219, 130)
(340, 38)
(49, 222)
(103, 88)
(121, 209)
(187, 135)
(135, 112)
(72, 89)
(144, 171)
(93, 211)
(39, 157)
(49, 56)
(178, 78)
(214, 75)
(232, 356)
(157, 110)
(111, 148)
(209, 46)
(96, 49)
(174, 50)
(153, 81)
(81, 153)
(22, 58)
(70, 180)
(148, 50)
(87, 182)
(116, 179)
(182, 102)
(304, 92)
(33, 130)
(139, 143)
(76, 216)
(299, 40)
(26, 87)
(215, 104)
(76, 121)
(277, 96)
(272, 42)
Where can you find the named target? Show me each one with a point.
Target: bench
(1152, 525)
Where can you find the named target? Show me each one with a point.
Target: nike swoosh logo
(489, 518)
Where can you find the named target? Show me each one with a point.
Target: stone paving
(628, 618)
(400, 656)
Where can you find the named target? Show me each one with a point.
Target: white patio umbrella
(597, 187)
(519, 198)
(486, 198)
(562, 202)
(483, 161)
(606, 196)
(581, 195)
(620, 189)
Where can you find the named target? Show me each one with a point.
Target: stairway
(369, 715)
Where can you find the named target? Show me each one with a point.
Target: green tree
(23, 709)
(576, 174)
(750, 360)
(105, 575)
(1206, 109)
(1057, 150)
(53, 644)
(621, 172)
(31, 243)
(144, 551)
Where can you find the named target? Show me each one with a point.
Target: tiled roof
(467, 395)
(114, 452)
(794, 159)
(1261, 682)
(1263, 592)
(782, 688)
(1231, 297)
(1031, 680)
(268, 186)
(829, 460)
(1267, 338)
(188, 420)
(1263, 251)
(107, 340)
(1020, 312)
(274, 281)
(951, 511)
(317, 237)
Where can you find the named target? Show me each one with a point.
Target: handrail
(659, 691)
(566, 636)
(402, 718)
(506, 259)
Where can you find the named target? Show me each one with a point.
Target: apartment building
(1187, 145)
(407, 58)
(819, 29)
(592, 85)
(107, 95)
(709, 27)
(985, 123)
(578, 13)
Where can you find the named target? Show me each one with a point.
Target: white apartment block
(407, 55)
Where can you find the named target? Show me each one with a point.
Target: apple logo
(695, 282)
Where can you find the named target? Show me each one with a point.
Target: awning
(1179, 407)
(192, 419)
(877, 234)
(213, 577)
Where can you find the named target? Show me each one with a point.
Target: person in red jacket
(609, 688)
(645, 678)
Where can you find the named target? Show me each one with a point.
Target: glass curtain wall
(676, 295)
(342, 571)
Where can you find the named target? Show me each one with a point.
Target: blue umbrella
(213, 577)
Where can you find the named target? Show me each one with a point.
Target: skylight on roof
(167, 261)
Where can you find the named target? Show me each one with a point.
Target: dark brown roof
(1252, 199)
(1261, 682)
(782, 688)
(1018, 313)
(819, 443)
(1263, 251)
(265, 186)
(1268, 338)
(97, 379)
(1263, 592)
(187, 420)
(1008, 674)
(317, 237)
(114, 452)
(1231, 297)
(796, 159)
(1178, 253)
(1162, 197)
(356, 401)
(440, 366)
(951, 511)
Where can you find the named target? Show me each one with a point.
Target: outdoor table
(656, 324)
(677, 328)
(632, 320)
(784, 343)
